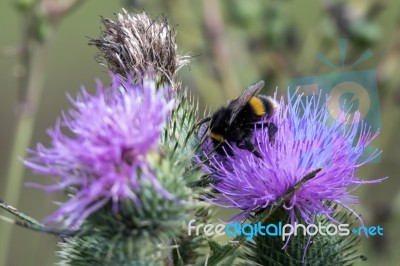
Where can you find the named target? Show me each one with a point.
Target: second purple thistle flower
(307, 139)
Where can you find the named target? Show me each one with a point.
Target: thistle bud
(139, 44)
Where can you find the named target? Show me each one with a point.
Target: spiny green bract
(320, 251)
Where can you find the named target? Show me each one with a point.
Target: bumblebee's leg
(223, 148)
(272, 129)
(248, 145)
(262, 125)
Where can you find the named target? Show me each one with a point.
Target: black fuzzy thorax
(242, 127)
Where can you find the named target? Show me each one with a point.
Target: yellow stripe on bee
(216, 136)
(257, 105)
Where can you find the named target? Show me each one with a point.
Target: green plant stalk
(24, 130)
(211, 90)
(28, 222)
(214, 28)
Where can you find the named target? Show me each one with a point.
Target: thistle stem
(32, 60)
(31, 87)
(215, 30)
(31, 223)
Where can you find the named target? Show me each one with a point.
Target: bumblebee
(235, 122)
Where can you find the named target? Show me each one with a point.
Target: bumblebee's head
(219, 124)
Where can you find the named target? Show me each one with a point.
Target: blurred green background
(233, 44)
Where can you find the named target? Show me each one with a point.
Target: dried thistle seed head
(139, 44)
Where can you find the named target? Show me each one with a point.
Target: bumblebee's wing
(238, 104)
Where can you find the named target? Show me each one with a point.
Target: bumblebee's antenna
(204, 120)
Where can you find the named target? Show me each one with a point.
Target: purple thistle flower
(104, 159)
(306, 140)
